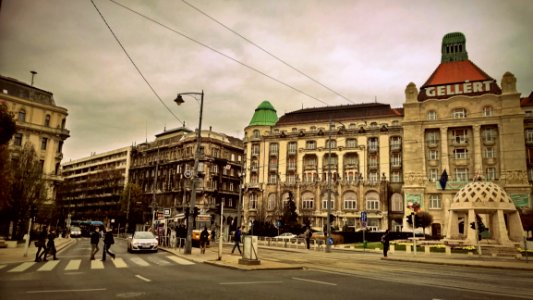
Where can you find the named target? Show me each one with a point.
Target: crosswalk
(69, 265)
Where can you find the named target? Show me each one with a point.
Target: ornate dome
(482, 195)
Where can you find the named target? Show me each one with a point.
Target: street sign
(166, 212)
(363, 216)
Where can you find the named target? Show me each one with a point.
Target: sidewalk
(15, 255)
(228, 260)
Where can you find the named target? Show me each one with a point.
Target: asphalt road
(164, 276)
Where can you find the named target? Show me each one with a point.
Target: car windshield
(143, 235)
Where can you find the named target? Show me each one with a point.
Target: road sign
(363, 216)
(363, 224)
(166, 212)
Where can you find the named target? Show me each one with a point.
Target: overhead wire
(133, 62)
(268, 52)
(219, 52)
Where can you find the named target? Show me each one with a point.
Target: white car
(143, 241)
(286, 235)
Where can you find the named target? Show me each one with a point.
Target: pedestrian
(385, 240)
(50, 245)
(213, 234)
(237, 240)
(307, 235)
(204, 238)
(108, 241)
(41, 244)
(95, 238)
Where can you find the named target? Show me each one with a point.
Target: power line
(219, 52)
(268, 52)
(133, 63)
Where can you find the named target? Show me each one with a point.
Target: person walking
(307, 235)
(385, 240)
(41, 245)
(237, 240)
(204, 238)
(108, 241)
(50, 245)
(95, 238)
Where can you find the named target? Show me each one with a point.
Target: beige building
(39, 121)
(350, 154)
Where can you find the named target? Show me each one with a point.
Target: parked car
(286, 235)
(75, 231)
(143, 241)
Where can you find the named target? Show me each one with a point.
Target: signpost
(364, 219)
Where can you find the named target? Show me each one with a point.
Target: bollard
(427, 249)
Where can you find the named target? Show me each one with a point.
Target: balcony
(459, 141)
(310, 167)
(489, 141)
(433, 143)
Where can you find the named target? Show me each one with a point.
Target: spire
(454, 47)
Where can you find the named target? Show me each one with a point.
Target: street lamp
(192, 203)
(328, 235)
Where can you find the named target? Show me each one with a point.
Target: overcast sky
(360, 50)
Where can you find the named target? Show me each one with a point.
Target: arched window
(487, 111)
(397, 202)
(253, 201)
(432, 115)
(331, 144)
(459, 113)
(325, 200)
(308, 200)
(256, 134)
(372, 201)
(349, 201)
(271, 201)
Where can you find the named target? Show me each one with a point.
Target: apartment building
(93, 185)
(40, 122)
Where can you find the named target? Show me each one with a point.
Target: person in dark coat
(307, 234)
(41, 245)
(108, 241)
(204, 238)
(95, 239)
(50, 245)
(237, 240)
(385, 240)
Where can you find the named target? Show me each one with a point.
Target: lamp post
(328, 235)
(192, 203)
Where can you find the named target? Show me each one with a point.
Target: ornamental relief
(415, 178)
(514, 177)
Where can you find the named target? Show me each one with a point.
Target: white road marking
(180, 260)
(65, 291)
(97, 264)
(314, 281)
(249, 282)
(73, 265)
(141, 262)
(120, 263)
(22, 267)
(143, 278)
(49, 265)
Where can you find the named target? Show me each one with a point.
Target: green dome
(265, 115)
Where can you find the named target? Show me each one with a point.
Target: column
(478, 167)
(470, 233)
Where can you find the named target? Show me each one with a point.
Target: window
(325, 200)
(489, 134)
(255, 149)
(253, 201)
(373, 177)
(395, 142)
(291, 148)
(489, 152)
(433, 154)
(432, 115)
(273, 178)
(432, 137)
(396, 160)
(397, 202)
(434, 201)
(310, 145)
(487, 111)
(271, 202)
(351, 143)
(308, 201)
(490, 173)
(309, 162)
(461, 174)
(373, 144)
(44, 143)
(373, 162)
(396, 176)
(460, 153)
(331, 144)
(529, 135)
(351, 161)
(459, 113)
(350, 201)
(433, 174)
(372, 201)
(256, 134)
(47, 121)
(291, 164)
(274, 149)
(22, 115)
(17, 141)
(459, 136)
(291, 179)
